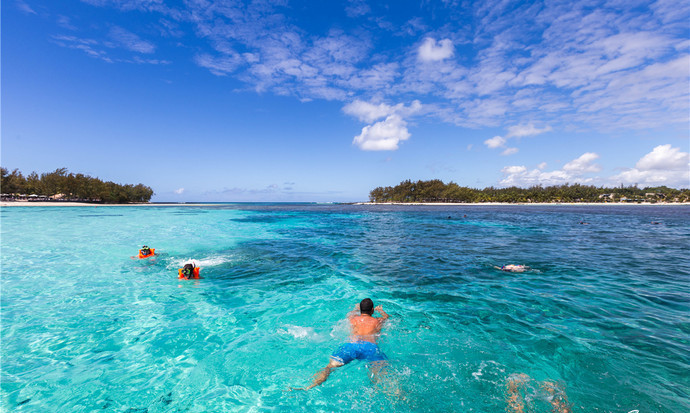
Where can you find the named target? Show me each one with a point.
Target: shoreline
(84, 204)
(522, 203)
(150, 204)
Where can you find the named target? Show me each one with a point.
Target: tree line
(73, 187)
(436, 191)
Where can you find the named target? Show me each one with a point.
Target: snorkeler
(362, 345)
(145, 252)
(513, 268)
(188, 272)
(555, 394)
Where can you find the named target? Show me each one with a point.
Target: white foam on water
(204, 262)
(299, 332)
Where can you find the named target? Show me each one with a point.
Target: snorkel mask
(145, 250)
(187, 272)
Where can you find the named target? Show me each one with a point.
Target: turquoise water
(605, 313)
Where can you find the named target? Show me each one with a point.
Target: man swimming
(513, 268)
(362, 345)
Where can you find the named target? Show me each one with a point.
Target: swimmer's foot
(557, 397)
(516, 403)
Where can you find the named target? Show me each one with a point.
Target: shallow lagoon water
(605, 313)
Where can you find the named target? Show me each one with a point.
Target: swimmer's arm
(384, 315)
(354, 312)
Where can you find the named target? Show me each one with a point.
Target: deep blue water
(604, 314)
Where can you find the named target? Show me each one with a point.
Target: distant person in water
(362, 346)
(555, 394)
(145, 252)
(584, 223)
(513, 268)
(188, 272)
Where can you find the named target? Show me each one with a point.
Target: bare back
(366, 327)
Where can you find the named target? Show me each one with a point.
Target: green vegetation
(70, 187)
(436, 191)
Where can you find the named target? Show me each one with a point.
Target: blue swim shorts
(359, 350)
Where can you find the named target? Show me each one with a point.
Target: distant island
(435, 191)
(61, 186)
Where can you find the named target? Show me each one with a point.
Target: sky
(322, 101)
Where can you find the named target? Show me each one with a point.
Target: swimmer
(556, 395)
(145, 252)
(513, 268)
(584, 223)
(189, 271)
(362, 345)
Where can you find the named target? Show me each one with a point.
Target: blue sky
(323, 101)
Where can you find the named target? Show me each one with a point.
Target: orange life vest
(151, 254)
(195, 274)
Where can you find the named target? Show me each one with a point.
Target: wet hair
(366, 306)
(188, 270)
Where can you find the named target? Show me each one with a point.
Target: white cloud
(219, 66)
(431, 51)
(664, 157)
(519, 131)
(21, 5)
(512, 170)
(384, 135)
(572, 172)
(179, 191)
(509, 151)
(369, 112)
(612, 67)
(664, 165)
(495, 142)
(131, 41)
(583, 164)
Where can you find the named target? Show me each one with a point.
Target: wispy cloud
(130, 41)
(590, 65)
(21, 5)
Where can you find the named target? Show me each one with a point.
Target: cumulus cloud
(384, 135)
(432, 51)
(583, 164)
(495, 142)
(572, 172)
(664, 165)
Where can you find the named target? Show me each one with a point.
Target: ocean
(602, 316)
